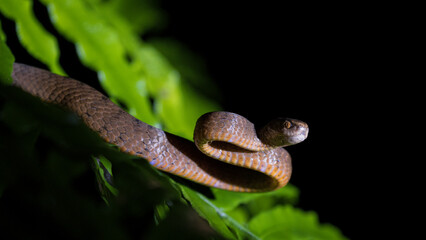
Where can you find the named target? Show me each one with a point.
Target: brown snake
(249, 161)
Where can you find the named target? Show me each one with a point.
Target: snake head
(283, 132)
(295, 131)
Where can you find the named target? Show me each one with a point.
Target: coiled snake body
(249, 161)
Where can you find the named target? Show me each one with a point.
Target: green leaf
(176, 104)
(140, 15)
(6, 60)
(286, 222)
(32, 35)
(100, 47)
(216, 217)
(103, 169)
(229, 200)
(243, 206)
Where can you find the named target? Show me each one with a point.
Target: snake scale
(249, 161)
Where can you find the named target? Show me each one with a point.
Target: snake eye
(288, 124)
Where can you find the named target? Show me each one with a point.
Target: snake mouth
(300, 137)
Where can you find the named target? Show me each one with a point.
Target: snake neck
(271, 138)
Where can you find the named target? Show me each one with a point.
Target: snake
(228, 152)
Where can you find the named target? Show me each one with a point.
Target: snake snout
(298, 131)
(302, 134)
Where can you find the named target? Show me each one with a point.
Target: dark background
(331, 66)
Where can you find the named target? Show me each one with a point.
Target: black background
(333, 66)
(329, 65)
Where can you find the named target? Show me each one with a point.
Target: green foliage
(103, 170)
(6, 60)
(286, 222)
(107, 38)
(32, 35)
(130, 70)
